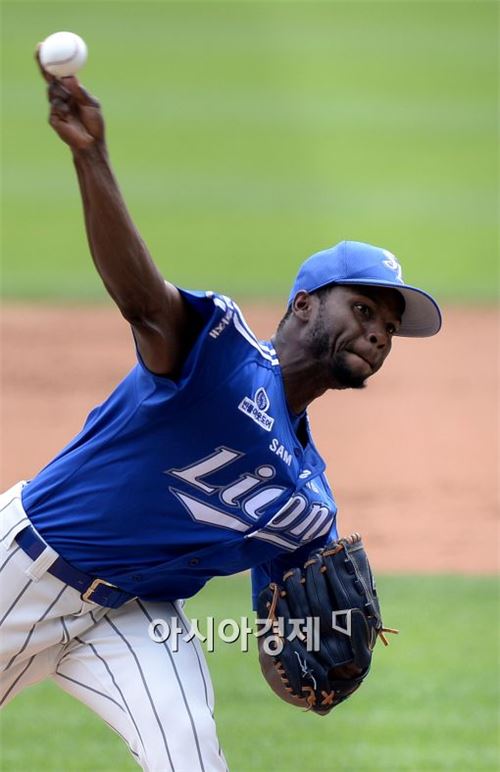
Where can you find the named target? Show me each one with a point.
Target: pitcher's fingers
(61, 108)
(45, 75)
(56, 90)
(79, 94)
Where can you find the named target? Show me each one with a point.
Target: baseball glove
(333, 598)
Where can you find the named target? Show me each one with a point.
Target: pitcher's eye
(363, 309)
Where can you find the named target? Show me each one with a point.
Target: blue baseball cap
(353, 262)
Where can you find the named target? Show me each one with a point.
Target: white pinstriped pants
(159, 700)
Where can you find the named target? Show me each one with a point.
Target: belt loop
(39, 567)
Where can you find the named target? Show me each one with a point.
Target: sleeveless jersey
(170, 483)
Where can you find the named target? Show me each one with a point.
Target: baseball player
(200, 463)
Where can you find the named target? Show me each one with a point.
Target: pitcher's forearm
(119, 253)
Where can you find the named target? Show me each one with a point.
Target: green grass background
(247, 135)
(428, 704)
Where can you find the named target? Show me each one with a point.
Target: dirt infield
(412, 459)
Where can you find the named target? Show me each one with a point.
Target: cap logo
(392, 263)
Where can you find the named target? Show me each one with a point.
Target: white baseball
(63, 54)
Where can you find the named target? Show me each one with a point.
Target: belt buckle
(86, 596)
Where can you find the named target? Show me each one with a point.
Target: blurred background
(245, 136)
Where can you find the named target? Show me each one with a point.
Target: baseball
(63, 54)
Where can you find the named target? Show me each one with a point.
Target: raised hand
(74, 114)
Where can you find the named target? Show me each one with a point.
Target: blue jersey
(170, 483)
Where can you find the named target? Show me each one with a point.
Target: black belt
(91, 590)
